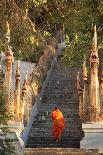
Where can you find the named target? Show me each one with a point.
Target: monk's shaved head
(56, 108)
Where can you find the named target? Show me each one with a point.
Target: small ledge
(92, 127)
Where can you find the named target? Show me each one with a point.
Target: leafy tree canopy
(33, 21)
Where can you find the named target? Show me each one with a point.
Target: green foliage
(30, 30)
(78, 18)
(85, 15)
(72, 56)
(25, 39)
(6, 148)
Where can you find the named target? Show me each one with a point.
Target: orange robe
(58, 124)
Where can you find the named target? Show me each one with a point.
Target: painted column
(101, 93)
(85, 92)
(101, 83)
(8, 80)
(0, 65)
(22, 104)
(94, 86)
(17, 91)
(79, 89)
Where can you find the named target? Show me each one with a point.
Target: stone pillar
(79, 89)
(7, 35)
(17, 92)
(94, 86)
(8, 80)
(22, 106)
(0, 65)
(101, 83)
(85, 92)
(101, 92)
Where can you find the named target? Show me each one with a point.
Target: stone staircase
(61, 151)
(61, 91)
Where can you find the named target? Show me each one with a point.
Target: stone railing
(37, 83)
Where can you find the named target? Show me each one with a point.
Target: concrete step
(60, 151)
(68, 144)
(61, 90)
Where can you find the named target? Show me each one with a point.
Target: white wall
(93, 136)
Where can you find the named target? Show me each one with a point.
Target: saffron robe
(58, 124)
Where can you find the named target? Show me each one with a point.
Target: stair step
(60, 90)
(59, 151)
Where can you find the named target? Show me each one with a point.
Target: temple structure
(20, 98)
(91, 91)
(14, 94)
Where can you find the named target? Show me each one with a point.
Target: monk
(58, 123)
